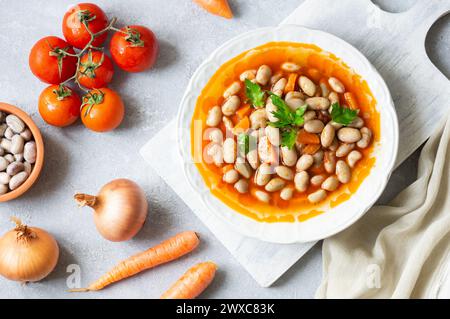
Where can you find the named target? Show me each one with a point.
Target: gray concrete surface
(80, 160)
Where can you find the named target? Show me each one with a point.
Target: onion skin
(28, 258)
(120, 209)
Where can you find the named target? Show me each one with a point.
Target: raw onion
(27, 253)
(120, 209)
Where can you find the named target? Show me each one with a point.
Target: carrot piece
(217, 7)
(311, 149)
(304, 137)
(170, 249)
(350, 99)
(243, 124)
(290, 85)
(193, 282)
(244, 111)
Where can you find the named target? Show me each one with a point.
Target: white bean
(14, 168)
(263, 174)
(17, 180)
(279, 86)
(215, 135)
(30, 152)
(336, 85)
(318, 158)
(284, 172)
(294, 100)
(324, 89)
(318, 103)
(275, 184)
(334, 98)
(274, 78)
(344, 149)
(273, 134)
(314, 126)
(304, 162)
(230, 105)
(228, 123)
(214, 116)
(290, 67)
(309, 115)
(26, 134)
(3, 128)
(233, 89)
(307, 85)
(241, 186)
(317, 180)
(357, 122)
(3, 164)
(327, 135)
(317, 196)
(301, 181)
(286, 193)
(4, 178)
(349, 135)
(343, 172)
(3, 189)
(263, 74)
(266, 151)
(366, 137)
(270, 108)
(262, 196)
(329, 162)
(252, 158)
(9, 133)
(229, 150)
(27, 167)
(244, 169)
(231, 176)
(15, 123)
(17, 143)
(353, 158)
(330, 184)
(215, 151)
(288, 156)
(258, 119)
(5, 144)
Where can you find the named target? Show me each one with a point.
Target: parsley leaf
(342, 115)
(254, 93)
(288, 120)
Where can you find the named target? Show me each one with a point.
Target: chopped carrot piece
(304, 137)
(243, 124)
(290, 86)
(311, 149)
(217, 7)
(350, 99)
(244, 111)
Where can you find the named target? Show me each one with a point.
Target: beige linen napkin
(401, 250)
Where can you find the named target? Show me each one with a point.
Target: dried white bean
(3, 189)
(17, 143)
(17, 180)
(215, 135)
(314, 126)
(286, 193)
(317, 180)
(274, 78)
(229, 150)
(14, 168)
(244, 169)
(304, 162)
(5, 144)
(344, 149)
(214, 116)
(343, 172)
(270, 108)
(27, 167)
(318, 103)
(288, 156)
(301, 181)
(324, 89)
(307, 86)
(290, 67)
(327, 135)
(353, 158)
(279, 86)
(9, 157)
(9, 133)
(258, 119)
(249, 74)
(4, 178)
(330, 184)
(349, 135)
(241, 186)
(273, 134)
(228, 123)
(3, 164)
(231, 176)
(318, 158)
(233, 89)
(15, 123)
(30, 152)
(317, 196)
(252, 158)
(230, 105)
(336, 85)
(215, 151)
(284, 172)
(275, 184)
(263, 74)
(19, 157)
(309, 115)
(334, 98)
(357, 122)
(26, 134)
(262, 196)
(263, 174)
(366, 137)
(266, 151)
(329, 162)
(294, 100)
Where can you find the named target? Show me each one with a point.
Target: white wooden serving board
(394, 43)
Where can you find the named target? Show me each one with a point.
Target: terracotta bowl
(10, 109)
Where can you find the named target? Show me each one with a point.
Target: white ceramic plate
(335, 219)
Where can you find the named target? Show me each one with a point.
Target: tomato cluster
(81, 58)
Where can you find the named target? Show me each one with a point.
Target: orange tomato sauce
(317, 65)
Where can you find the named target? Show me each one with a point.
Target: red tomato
(59, 105)
(75, 21)
(96, 70)
(134, 49)
(48, 61)
(102, 110)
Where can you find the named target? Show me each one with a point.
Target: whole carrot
(166, 251)
(193, 282)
